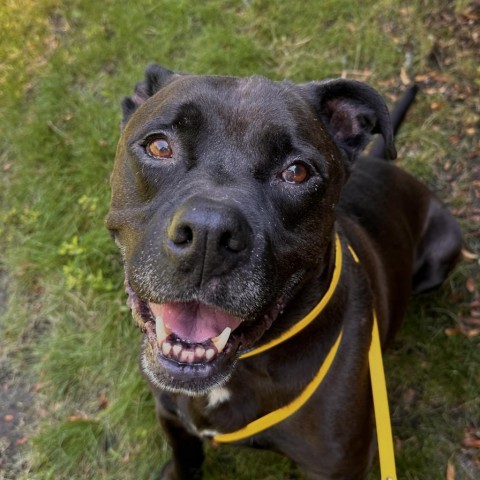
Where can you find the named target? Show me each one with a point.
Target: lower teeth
(188, 355)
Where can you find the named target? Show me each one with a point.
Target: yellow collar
(377, 377)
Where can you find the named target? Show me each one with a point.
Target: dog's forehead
(239, 102)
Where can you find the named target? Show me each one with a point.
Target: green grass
(65, 326)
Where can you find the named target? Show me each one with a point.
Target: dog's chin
(191, 347)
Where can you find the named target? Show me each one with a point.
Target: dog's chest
(218, 396)
(224, 409)
(206, 416)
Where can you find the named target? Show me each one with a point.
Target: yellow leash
(282, 413)
(377, 377)
(386, 453)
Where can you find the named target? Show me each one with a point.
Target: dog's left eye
(159, 148)
(296, 173)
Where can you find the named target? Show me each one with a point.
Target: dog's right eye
(159, 147)
(295, 173)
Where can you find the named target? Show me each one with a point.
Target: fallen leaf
(22, 441)
(404, 77)
(470, 284)
(451, 331)
(102, 401)
(77, 418)
(450, 471)
(471, 439)
(462, 330)
(421, 78)
(467, 255)
(474, 332)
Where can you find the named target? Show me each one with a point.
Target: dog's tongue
(193, 321)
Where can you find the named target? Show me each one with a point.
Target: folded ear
(352, 112)
(156, 77)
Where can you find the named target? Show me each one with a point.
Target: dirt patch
(15, 402)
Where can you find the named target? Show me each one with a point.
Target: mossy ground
(65, 331)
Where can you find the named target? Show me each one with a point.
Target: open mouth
(191, 333)
(192, 338)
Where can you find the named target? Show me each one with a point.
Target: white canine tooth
(209, 354)
(222, 339)
(177, 349)
(166, 347)
(162, 331)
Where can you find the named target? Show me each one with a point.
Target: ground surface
(15, 402)
(72, 404)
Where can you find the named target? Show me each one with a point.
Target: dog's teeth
(199, 352)
(166, 347)
(187, 356)
(162, 331)
(222, 339)
(209, 354)
(177, 349)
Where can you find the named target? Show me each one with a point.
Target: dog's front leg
(187, 452)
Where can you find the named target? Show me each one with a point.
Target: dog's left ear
(352, 112)
(156, 77)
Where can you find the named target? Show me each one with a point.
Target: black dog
(232, 202)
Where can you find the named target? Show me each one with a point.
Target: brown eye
(159, 148)
(295, 173)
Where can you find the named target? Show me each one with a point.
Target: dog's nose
(208, 237)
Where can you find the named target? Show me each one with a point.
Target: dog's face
(223, 204)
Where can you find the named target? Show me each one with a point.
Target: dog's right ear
(352, 111)
(156, 77)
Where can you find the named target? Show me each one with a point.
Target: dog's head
(223, 205)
